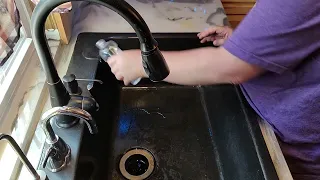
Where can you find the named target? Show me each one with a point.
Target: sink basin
(174, 132)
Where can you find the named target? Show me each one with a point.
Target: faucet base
(66, 121)
(66, 162)
(58, 155)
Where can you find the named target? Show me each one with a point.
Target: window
(16, 53)
(14, 40)
(22, 90)
(9, 34)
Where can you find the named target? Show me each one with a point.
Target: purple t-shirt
(283, 37)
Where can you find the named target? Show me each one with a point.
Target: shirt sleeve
(277, 35)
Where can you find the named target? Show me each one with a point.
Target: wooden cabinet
(236, 10)
(61, 22)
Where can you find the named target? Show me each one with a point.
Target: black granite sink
(195, 133)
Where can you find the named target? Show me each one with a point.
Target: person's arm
(208, 66)
(190, 67)
(275, 37)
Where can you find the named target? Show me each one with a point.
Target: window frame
(21, 58)
(25, 11)
(24, 54)
(12, 101)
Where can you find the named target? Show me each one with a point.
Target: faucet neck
(67, 111)
(153, 61)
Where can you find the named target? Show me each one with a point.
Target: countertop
(160, 16)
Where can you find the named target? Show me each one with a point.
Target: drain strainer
(137, 164)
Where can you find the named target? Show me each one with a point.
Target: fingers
(124, 69)
(218, 42)
(114, 70)
(215, 34)
(117, 73)
(207, 39)
(215, 39)
(111, 61)
(119, 77)
(125, 82)
(210, 31)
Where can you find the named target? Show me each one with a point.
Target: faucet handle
(91, 81)
(58, 154)
(67, 111)
(50, 152)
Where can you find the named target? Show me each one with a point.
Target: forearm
(204, 66)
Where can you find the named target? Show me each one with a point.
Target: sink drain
(137, 164)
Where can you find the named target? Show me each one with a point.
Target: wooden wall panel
(236, 10)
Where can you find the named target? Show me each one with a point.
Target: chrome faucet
(153, 61)
(58, 153)
(21, 155)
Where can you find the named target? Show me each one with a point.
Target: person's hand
(216, 34)
(127, 66)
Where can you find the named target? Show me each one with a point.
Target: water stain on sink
(153, 112)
